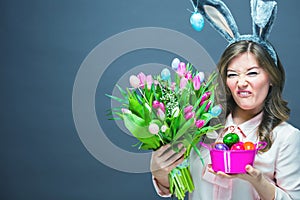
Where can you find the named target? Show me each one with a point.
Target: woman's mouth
(244, 93)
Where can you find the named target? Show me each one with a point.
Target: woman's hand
(264, 188)
(163, 161)
(252, 175)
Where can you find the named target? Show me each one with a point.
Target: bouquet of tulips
(158, 111)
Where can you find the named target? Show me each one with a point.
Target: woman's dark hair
(275, 109)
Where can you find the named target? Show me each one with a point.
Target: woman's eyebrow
(231, 70)
(253, 67)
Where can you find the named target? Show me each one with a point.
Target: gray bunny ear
(263, 15)
(219, 16)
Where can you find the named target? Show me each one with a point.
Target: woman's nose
(242, 81)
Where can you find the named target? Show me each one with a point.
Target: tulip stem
(143, 95)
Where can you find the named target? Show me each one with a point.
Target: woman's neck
(240, 116)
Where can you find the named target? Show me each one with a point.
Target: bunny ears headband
(219, 16)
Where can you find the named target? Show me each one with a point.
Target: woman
(256, 112)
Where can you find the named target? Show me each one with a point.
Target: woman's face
(248, 82)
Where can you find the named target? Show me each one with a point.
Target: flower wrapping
(159, 111)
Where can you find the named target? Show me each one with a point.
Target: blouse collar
(246, 127)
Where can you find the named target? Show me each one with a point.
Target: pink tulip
(204, 97)
(197, 82)
(188, 75)
(173, 85)
(200, 123)
(142, 78)
(189, 115)
(158, 105)
(134, 81)
(188, 109)
(162, 106)
(161, 114)
(155, 104)
(145, 80)
(181, 71)
(149, 81)
(183, 82)
(208, 106)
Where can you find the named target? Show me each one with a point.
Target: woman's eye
(231, 75)
(252, 73)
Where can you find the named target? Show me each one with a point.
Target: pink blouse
(280, 164)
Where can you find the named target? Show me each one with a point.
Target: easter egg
(197, 21)
(230, 139)
(238, 146)
(165, 74)
(216, 110)
(249, 146)
(175, 63)
(221, 146)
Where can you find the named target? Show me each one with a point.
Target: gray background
(44, 42)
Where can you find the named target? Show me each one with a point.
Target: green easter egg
(230, 139)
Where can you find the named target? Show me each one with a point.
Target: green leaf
(208, 129)
(157, 92)
(144, 146)
(119, 108)
(137, 144)
(193, 98)
(165, 137)
(138, 97)
(211, 79)
(135, 106)
(184, 129)
(147, 92)
(139, 129)
(119, 114)
(117, 98)
(206, 117)
(115, 118)
(135, 120)
(175, 124)
(184, 98)
(147, 113)
(148, 109)
(201, 109)
(123, 92)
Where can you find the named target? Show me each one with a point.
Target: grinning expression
(248, 82)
